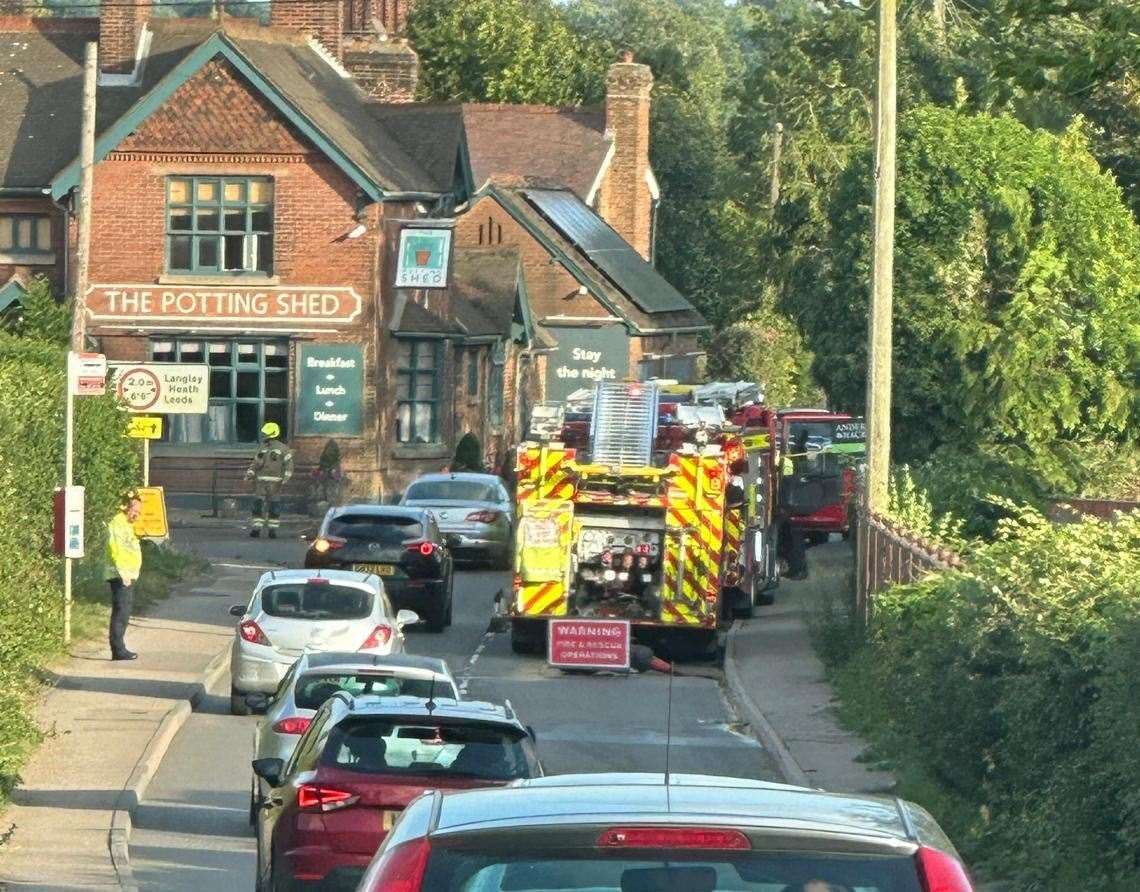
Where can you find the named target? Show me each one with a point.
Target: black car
(646, 833)
(403, 546)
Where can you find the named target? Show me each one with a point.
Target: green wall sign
(331, 388)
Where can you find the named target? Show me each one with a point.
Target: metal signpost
(86, 376)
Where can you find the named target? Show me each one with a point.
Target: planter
(422, 258)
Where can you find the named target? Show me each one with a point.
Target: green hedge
(31, 466)
(1004, 697)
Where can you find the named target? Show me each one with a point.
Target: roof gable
(323, 106)
(679, 315)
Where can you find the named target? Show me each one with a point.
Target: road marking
(248, 566)
(465, 673)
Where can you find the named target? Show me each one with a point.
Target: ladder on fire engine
(624, 424)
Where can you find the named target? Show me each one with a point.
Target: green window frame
(418, 383)
(498, 368)
(473, 371)
(25, 234)
(220, 226)
(249, 385)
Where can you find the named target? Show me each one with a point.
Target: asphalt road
(191, 833)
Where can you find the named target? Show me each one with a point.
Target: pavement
(134, 820)
(780, 687)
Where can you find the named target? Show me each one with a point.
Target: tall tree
(1018, 270)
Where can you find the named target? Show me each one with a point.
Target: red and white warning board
(588, 643)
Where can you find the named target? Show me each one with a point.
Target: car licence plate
(378, 569)
(389, 819)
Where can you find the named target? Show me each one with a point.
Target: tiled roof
(564, 145)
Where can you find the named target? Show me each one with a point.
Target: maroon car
(357, 767)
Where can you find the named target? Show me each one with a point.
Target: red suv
(359, 764)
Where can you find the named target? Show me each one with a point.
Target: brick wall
(215, 125)
(120, 25)
(317, 18)
(388, 72)
(551, 289)
(625, 201)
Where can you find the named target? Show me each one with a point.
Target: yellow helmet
(271, 430)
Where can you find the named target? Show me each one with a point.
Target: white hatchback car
(292, 612)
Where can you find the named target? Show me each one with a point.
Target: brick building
(262, 207)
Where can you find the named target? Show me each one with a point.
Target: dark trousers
(793, 548)
(122, 597)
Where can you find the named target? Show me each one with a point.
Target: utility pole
(86, 189)
(79, 308)
(777, 150)
(879, 344)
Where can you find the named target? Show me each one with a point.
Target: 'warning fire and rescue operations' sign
(584, 357)
(310, 305)
(330, 390)
(588, 643)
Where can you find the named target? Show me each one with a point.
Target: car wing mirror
(257, 702)
(237, 610)
(269, 770)
(407, 618)
(453, 540)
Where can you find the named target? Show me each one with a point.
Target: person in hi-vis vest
(123, 565)
(271, 469)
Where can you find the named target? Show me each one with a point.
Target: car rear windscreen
(314, 688)
(316, 601)
(462, 870)
(453, 491)
(404, 747)
(386, 529)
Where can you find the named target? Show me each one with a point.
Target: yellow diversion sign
(152, 521)
(145, 427)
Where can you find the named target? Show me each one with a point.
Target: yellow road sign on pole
(145, 427)
(152, 521)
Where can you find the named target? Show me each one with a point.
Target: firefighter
(792, 546)
(271, 469)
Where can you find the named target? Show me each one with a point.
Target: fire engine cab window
(249, 385)
(219, 226)
(417, 391)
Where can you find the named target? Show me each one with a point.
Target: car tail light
(940, 872)
(251, 632)
(401, 868)
(427, 549)
(293, 725)
(483, 516)
(848, 481)
(312, 796)
(673, 838)
(380, 636)
(328, 543)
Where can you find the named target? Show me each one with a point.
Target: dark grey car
(634, 833)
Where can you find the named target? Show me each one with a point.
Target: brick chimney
(626, 201)
(121, 27)
(321, 19)
(376, 50)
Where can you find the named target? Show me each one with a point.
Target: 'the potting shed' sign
(423, 259)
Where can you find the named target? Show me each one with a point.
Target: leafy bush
(32, 379)
(1005, 696)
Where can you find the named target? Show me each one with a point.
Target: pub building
(346, 263)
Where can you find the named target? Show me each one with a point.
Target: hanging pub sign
(423, 258)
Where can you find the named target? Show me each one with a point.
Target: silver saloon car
(292, 612)
(475, 507)
(317, 676)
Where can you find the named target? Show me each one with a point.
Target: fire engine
(827, 447)
(643, 506)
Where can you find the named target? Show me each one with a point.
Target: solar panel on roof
(612, 254)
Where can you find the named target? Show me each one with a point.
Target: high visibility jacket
(273, 463)
(124, 554)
